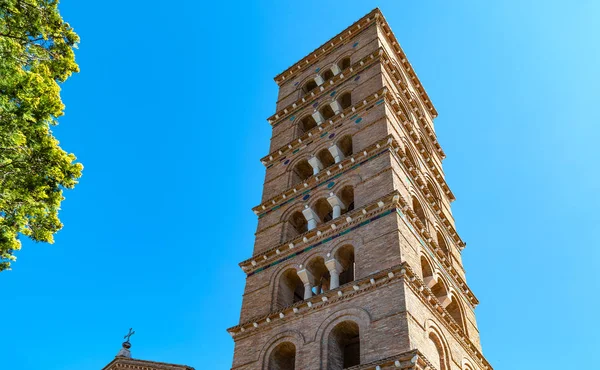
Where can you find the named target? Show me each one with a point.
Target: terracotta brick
(394, 246)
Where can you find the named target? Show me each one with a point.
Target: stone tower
(357, 262)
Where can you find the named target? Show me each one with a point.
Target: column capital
(318, 117)
(334, 200)
(336, 153)
(334, 265)
(306, 277)
(316, 164)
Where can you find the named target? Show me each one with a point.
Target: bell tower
(356, 262)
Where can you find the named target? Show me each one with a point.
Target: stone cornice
(381, 96)
(402, 272)
(326, 88)
(321, 234)
(406, 64)
(328, 231)
(295, 145)
(335, 170)
(411, 360)
(319, 301)
(375, 16)
(331, 45)
(421, 183)
(395, 74)
(429, 299)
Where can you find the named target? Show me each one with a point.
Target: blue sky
(168, 115)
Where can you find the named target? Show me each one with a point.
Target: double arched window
(440, 290)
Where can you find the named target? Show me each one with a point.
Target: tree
(36, 54)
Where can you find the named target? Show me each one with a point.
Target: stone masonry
(356, 262)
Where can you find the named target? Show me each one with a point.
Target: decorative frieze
(311, 97)
(355, 288)
(280, 155)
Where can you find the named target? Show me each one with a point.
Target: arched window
(345, 100)
(425, 144)
(345, 256)
(291, 289)
(302, 171)
(327, 112)
(441, 241)
(406, 111)
(297, 225)
(439, 359)
(306, 124)
(319, 271)
(326, 158)
(343, 346)
(324, 210)
(426, 268)
(347, 197)
(456, 313)
(344, 63)
(439, 290)
(418, 209)
(327, 75)
(345, 145)
(412, 162)
(283, 357)
(434, 192)
(309, 86)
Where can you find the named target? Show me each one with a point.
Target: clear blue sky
(168, 115)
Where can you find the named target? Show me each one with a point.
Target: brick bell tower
(357, 262)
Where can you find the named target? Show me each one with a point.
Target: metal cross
(129, 335)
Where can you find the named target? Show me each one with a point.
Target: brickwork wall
(383, 331)
(392, 318)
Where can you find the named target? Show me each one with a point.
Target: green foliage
(36, 53)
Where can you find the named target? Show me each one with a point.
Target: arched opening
(319, 271)
(344, 63)
(439, 359)
(327, 112)
(433, 191)
(347, 197)
(426, 268)
(345, 145)
(406, 112)
(297, 225)
(425, 144)
(439, 290)
(324, 210)
(327, 75)
(291, 289)
(345, 100)
(343, 346)
(411, 159)
(302, 171)
(283, 357)
(345, 256)
(419, 211)
(441, 241)
(326, 158)
(455, 312)
(307, 123)
(309, 86)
